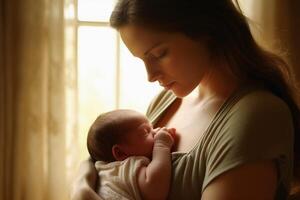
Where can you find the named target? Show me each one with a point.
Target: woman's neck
(215, 85)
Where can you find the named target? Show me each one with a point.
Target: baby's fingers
(163, 136)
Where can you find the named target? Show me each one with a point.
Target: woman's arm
(85, 183)
(255, 181)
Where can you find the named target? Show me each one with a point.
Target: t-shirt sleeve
(258, 127)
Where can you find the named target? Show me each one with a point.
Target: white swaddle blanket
(118, 180)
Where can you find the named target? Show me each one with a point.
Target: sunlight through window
(95, 10)
(109, 77)
(135, 92)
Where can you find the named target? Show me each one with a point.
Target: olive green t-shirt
(252, 125)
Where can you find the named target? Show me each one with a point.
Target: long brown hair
(230, 40)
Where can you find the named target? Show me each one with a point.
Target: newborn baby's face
(140, 139)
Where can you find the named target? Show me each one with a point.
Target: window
(108, 76)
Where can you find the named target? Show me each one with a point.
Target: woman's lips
(167, 86)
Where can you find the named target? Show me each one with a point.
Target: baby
(132, 158)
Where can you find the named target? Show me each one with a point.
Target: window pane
(95, 10)
(136, 91)
(96, 75)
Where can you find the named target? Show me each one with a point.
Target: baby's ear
(118, 152)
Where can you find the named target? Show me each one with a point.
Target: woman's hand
(85, 183)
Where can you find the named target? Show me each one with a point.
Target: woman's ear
(118, 152)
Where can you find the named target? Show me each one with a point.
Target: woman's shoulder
(258, 126)
(261, 101)
(256, 121)
(259, 114)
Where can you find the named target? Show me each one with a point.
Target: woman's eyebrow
(154, 46)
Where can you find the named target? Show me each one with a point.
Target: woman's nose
(152, 72)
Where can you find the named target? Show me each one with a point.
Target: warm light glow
(247, 7)
(95, 10)
(69, 13)
(98, 71)
(136, 91)
(96, 75)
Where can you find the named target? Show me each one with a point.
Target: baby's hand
(164, 137)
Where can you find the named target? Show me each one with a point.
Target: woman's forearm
(85, 193)
(84, 185)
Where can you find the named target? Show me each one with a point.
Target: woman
(233, 103)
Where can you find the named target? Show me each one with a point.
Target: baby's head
(118, 134)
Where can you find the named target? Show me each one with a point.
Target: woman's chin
(181, 93)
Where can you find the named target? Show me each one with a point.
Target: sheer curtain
(34, 87)
(276, 25)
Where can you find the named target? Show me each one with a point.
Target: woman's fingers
(85, 183)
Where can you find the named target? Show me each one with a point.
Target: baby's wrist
(163, 144)
(162, 150)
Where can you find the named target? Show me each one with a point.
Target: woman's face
(174, 60)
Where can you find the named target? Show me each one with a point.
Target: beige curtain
(34, 87)
(276, 25)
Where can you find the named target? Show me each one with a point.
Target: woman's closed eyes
(159, 54)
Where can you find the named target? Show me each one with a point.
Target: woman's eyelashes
(159, 54)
